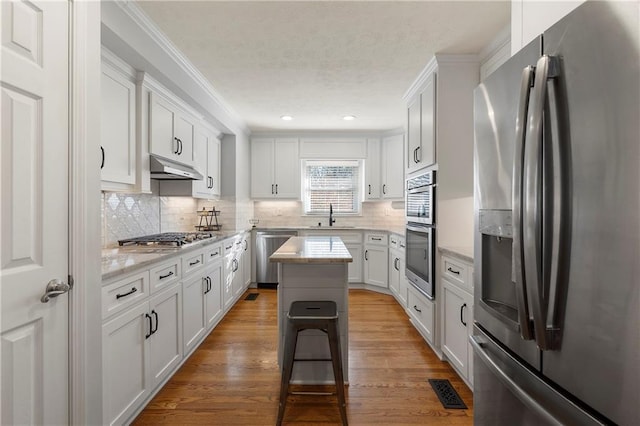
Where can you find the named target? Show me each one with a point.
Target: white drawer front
(213, 253)
(192, 262)
(455, 271)
(422, 310)
(377, 239)
(165, 274)
(124, 293)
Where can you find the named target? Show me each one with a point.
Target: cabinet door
(394, 273)
(413, 135)
(375, 265)
(457, 319)
(355, 267)
(427, 152)
(392, 167)
(124, 356)
(193, 306)
(227, 287)
(162, 117)
(184, 129)
(372, 170)
(213, 166)
(201, 146)
(165, 344)
(238, 275)
(402, 285)
(118, 127)
(213, 296)
(286, 169)
(262, 184)
(246, 260)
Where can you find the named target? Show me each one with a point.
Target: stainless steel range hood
(164, 169)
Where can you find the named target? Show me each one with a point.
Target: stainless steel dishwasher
(267, 242)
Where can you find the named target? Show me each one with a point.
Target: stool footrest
(312, 393)
(313, 359)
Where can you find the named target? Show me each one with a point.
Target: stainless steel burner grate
(175, 239)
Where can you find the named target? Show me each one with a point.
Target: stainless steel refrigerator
(557, 243)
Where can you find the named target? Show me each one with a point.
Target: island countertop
(329, 249)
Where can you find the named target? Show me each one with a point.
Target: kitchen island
(313, 268)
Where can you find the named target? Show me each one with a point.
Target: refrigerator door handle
(478, 344)
(518, 243)
(532, 208)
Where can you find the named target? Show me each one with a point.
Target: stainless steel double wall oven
(421, 232)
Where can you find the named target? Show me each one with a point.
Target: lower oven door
(420, 257)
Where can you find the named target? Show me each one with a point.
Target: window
(332, 182)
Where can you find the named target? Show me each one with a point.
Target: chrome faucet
(331, 219)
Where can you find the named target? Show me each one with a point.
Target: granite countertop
(464, 253)
(336, 228)
(312, 250)
(118, 261)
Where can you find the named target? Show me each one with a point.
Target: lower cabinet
(141, 347)
(421, 310)
(202, 304)
(397, 264)
(375, 259)
(457, 326)
(355, 268)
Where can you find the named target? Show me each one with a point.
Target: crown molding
(140, 18)
(432, 66)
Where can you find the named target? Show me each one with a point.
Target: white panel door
(372, 170)
(193, 320)
(392, 169)
(201, 188)
(162, 141)
(213, 295)
(262, 184)
(165, 342)
(286, 169)
(213, 154)
(34, 211)
(375, 265)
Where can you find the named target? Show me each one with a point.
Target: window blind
(332, 182)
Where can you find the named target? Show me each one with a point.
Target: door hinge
(70, 281)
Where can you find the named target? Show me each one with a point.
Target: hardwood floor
(233, 377)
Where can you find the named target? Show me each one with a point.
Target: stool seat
(304, 315)
(306, 310)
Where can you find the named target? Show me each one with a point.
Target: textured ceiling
(320, 60)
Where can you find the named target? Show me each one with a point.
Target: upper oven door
(420, 205)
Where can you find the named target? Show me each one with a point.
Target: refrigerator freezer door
(507, 393)
(598, 359)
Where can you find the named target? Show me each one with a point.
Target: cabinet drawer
(230, 245)
(377, 239)
(165, 274)
(456, 271)
(421, 309)
(213, 253)
(124, 293)
(192, 262)
(396, 242)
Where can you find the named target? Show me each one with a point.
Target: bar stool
(320, 315)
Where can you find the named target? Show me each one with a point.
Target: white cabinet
(457, 315)
(397, 279)
(355, 268)
(384, 169)
(391, 168)
(421, 127)
(171, 130)
(246, 260)
(231, 278)
(117, 125)
(372, 186)
(421, 310)
(207, 161)
(141, 347)
(375, 259)
(275, 168)
(213, 308)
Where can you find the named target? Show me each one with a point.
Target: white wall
(455, 222)
(530, 18)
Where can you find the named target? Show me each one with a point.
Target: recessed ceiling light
(287, 117)
(349, 117)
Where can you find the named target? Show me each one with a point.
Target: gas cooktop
(173, 239)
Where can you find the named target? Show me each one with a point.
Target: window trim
(359, 193)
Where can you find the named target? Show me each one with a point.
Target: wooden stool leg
(336, 359)
(291, 339)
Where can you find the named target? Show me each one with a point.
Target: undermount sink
(330, 227)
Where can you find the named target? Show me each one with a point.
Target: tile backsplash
(381, 214)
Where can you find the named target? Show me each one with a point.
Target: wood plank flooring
(233, 377)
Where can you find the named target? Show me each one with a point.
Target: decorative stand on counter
(313, 268)
(207, 218)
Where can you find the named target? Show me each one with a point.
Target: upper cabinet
(118, 125)
(275, 168)
(421, 127)
(392, 170)
(440, 123)
(172, 130)
(384, 169)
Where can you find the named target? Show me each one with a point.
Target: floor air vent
(447, 394)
